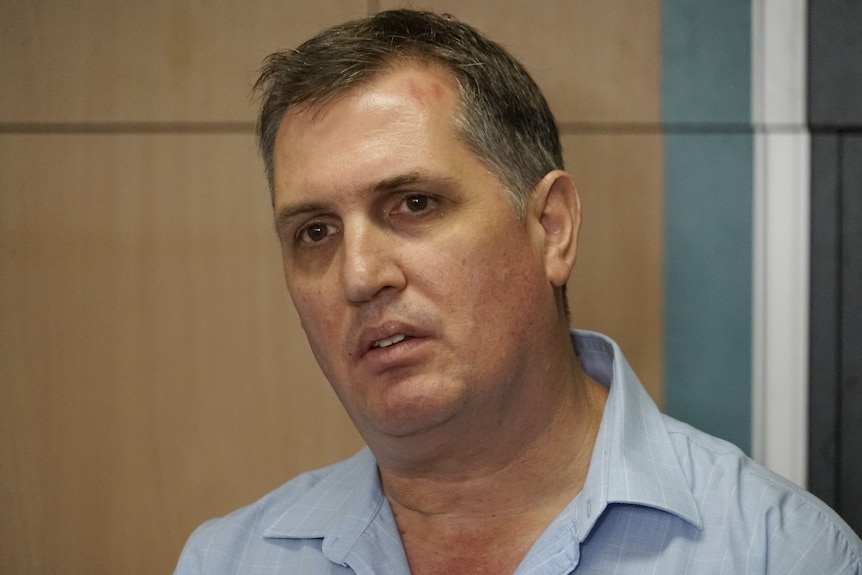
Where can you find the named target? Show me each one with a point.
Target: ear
(557, 207)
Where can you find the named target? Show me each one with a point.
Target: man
(427, 231)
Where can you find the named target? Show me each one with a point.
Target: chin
(406, 417)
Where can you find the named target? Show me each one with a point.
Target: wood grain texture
(617, 285)
(157, 61)
(153, 371)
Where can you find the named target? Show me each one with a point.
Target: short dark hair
(503, 116)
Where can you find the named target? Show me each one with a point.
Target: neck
(492, 499)
(539, 456)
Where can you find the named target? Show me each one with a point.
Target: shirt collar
(338, 508)
(633, 460)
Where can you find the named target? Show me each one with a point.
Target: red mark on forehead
(422, 92)
(437, 90)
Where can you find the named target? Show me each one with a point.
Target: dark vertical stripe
(835, 409)
(824, 326)
(850, 395)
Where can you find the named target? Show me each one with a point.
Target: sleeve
(804, 536)
(192, 557)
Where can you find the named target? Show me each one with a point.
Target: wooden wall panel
(153, 372)
(157, 61)
(617, 284)
(596, 62)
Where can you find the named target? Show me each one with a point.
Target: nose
(370, 263)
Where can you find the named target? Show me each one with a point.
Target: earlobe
(559, 208)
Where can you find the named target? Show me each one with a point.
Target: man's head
(431, 305)
(503, 117)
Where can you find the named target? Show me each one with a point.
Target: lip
(379, 360)
(370, 335)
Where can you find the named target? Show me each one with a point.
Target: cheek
(495, 278)
(317, 318)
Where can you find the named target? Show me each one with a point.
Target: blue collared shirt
(660, 497)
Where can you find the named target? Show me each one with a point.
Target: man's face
(418, 289)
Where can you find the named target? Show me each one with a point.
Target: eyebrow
(289, 212)
(392, 184)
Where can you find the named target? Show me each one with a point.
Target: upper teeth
(386, 342)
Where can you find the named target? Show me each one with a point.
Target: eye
(316, 232)
(415, 204)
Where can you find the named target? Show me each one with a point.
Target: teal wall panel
(706, 111)
(708, 206)
(706, 62)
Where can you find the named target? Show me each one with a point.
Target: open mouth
(387, 341)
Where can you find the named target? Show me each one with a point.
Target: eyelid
(312, 222)
(402, 198)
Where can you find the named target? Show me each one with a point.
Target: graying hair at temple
(503, 117)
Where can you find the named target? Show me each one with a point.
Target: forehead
(404, 113)
(405, 82)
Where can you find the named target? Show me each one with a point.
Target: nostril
(369, 268)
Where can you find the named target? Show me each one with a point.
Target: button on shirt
(660, 497)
